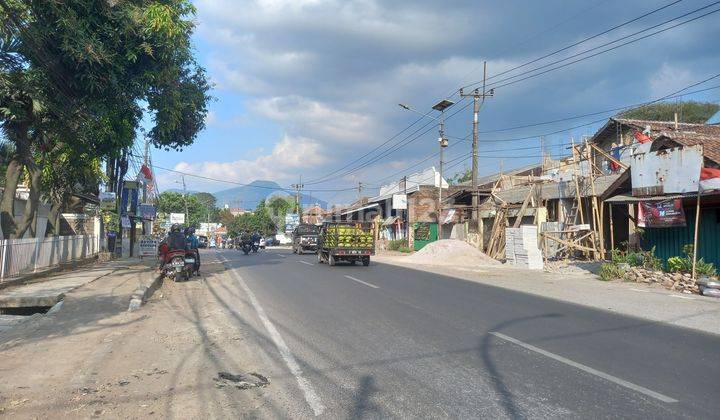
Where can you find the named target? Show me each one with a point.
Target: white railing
(23, 256)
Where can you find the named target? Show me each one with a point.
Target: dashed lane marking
(588, 369)
(362, 282)
(305, 262)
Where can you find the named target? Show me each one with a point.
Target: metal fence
(22, 256)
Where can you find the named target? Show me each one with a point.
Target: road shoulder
(632, 299)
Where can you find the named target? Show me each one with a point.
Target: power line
(582, 41)
(499, 84)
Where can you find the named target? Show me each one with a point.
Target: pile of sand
(451, 252)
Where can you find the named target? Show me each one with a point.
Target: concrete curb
(144, 291)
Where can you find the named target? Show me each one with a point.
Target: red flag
(147, 173)
(641, 137)
(709, 179)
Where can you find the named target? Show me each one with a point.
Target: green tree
(77, 76)
(172, 202)
(461, 177)
(279, 206)
(688, 111)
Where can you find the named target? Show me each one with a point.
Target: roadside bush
(684, 264)
(398, 245)
(611, 271)
(644, 259)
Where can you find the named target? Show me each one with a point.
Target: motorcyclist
(175, 240)
(193, 243)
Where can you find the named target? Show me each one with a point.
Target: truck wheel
(319, 256)
(331, 260)
(366, 261)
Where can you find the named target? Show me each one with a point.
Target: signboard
(147, 246)
(399, 201)
(146, 211)
(447, 216)
(108, 200)
(668, 171)
(125, 222)
(422, 232)
(292, 220)
(177, 218)
(660, 214)
(131, 185)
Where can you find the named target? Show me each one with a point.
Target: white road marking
(282, 255)
(588, 369)
(682, 297)
(305, 262)
(363, 282)
(311, 396)
(639, 290)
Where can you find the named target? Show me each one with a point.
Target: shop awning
(390, 220)
(369, 206)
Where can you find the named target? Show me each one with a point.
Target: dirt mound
(451, 252)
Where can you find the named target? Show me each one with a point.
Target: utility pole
(406, 214)
(297, 188)
(187, 219)
(443, 144)
(360, 188)
(478, 101)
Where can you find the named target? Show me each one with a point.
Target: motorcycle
(178, 265)
(247, 247)
(255, 246)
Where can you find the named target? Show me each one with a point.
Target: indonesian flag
(709, 179)
(641, 137)
(146, 172)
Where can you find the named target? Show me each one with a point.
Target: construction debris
(674, 281)
(521, 247)
(451, 252)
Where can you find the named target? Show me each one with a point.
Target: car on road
(305, 238)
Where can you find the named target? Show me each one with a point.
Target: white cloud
(290, 156)
(669, 79)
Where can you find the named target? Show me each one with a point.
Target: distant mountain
(248, 196)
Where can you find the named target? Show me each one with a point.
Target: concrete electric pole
(478, 100)
(297, 188)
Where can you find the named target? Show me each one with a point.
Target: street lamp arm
(411, 109)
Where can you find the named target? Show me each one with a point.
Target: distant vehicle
(305, 238)
(202, 241)
(212, 244)
(271, 241)
(345, 241)
(282, 239)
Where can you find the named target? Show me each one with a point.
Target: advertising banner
(177, 218)
(292, 220)
(147, 246)
(146, 211)
(399, 202)
(661, 214)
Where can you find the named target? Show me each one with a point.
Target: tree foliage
(172, 202)
(688, 111)
(258, 221)
(77, 77)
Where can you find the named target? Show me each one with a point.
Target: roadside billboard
(177, 218)
(660, 214)
(292, 220)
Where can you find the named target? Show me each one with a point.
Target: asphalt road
(386, 341)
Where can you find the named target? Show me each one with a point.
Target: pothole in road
(240, 381)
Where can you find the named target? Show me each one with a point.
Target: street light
(443, 142)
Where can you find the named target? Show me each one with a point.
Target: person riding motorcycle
(174, 241)
(193, 243)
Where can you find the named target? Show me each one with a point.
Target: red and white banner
(709, 179)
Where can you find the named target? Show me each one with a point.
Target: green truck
(345, 241)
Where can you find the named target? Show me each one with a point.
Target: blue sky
(303, 87)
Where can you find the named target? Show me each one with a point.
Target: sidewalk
(28, 301)
(651, 302)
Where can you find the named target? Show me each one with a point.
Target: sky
(306, 87)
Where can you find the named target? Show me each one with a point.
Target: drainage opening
(25, 311)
